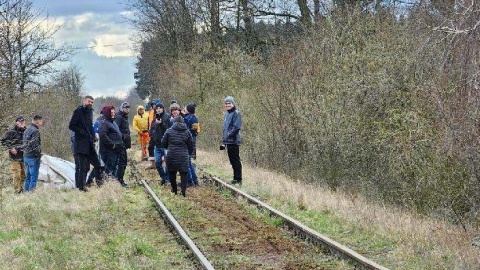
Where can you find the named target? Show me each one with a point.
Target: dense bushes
(362, 102)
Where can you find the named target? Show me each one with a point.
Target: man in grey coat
(232, 139)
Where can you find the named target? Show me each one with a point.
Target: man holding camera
(159, 126)
(121, 119)
(232, 139)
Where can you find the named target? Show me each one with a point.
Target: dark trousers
(173, 180)
(122, 164)
(82, 164)
(111, 163)
(233, 151)
(151, 148)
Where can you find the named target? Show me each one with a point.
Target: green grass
(107, 228)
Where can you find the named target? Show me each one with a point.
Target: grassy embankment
(394, 238)
(107, 228)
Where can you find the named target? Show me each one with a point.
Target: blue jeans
(32, 166)
(192, 176)
(111, 161)
(159, 152)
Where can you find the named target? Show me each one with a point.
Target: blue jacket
(191, 119)
(231, 127)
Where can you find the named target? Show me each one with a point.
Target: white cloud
(105, 34)
(112, 45)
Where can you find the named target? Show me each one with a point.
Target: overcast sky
(99, 31)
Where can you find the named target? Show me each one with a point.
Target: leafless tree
(70, 81)
(26, 47)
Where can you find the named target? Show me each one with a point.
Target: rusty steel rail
(176, 226)
(334, 247)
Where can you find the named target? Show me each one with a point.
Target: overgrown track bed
(178, 229)
(301, 230)
(235, 235)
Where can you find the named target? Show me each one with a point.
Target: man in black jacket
(82, 124)
(160, 125)
(122, 122)
(13, 141)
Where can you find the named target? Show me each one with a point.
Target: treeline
(376, 97)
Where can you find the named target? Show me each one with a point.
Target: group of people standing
(167, 139)
(158, 132)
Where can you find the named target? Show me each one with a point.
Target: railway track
(281, 248)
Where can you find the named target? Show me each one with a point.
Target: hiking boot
(125, 185)
(84, 189)
(236, 182)
(164, 182)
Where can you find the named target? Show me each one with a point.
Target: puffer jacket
(109, 133)
(178, 141)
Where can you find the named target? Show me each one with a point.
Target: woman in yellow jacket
(140, 124)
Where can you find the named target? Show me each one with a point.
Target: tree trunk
(215, 22)
(305, 13)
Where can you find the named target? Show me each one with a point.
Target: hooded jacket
(13, 140)
(140, 122)
(178, 141)
(110, 135)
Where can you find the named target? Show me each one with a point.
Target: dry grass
(414, 236)
(107, 228)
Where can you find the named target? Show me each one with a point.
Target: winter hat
(124, 105)
(160, 105)
(191, 108)
(107, 111)
(174, 106)
(173, 101)
(230, 99)
(20, 119)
